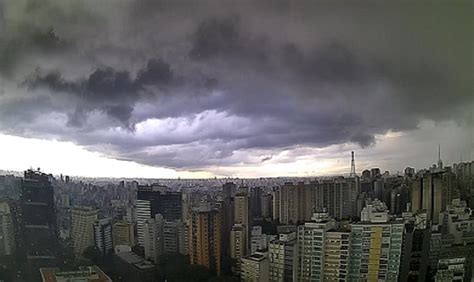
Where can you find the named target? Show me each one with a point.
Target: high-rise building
(336, 255)
(103, 235)
(409, 172)
(256, 201)
(173, 237)
(205, 239)
(39, 227)
(433, 191)
(143, 214)
(238, 241)
(162, 201)
(266, 211)
(242, 217)
(82, 233)
(415, 254)
(258, 240)
(255, 268)
(375, 172)
(123, 233)
(282, 257)
(153, 237)
(464, 172)
(375, 246)
(311, 247)
(366, 175)
(7, 232)
(229, 190)
(294, 203)
(276, 203)
(338, 196)
(156, 199)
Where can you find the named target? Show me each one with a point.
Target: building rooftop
(84, 273)
(136, 260)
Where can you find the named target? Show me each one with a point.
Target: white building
(143, 213)
(375, 212)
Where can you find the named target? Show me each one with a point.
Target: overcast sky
(234, 88)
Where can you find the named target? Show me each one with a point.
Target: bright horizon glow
(57, 157)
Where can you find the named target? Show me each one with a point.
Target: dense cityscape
(224, 140)
(415, 226)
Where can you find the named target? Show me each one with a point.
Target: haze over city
(249, 89)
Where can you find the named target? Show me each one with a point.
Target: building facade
(103, 235)
(82, 233)
(205, 239)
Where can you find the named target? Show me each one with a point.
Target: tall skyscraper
(143, 214)
(162, 201)
(82, 233)
(242, 217)
(40, 234)
(228, 194)
(276, 203)
(103, 235)
(241, 210)
(266, 211)
(7, 232)
(156, 199)
(205, 239)
(256, 201)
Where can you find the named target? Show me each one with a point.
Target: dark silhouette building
(38, 221)
(162, 201)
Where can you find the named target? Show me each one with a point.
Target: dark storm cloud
(156, 72)
(247, 76)
(222, 37)
(114, 91)
(13, 49)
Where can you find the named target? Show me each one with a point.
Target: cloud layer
(201, 85)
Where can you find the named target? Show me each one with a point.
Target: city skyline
(248, 89)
